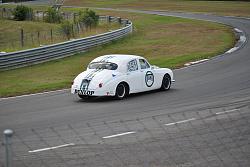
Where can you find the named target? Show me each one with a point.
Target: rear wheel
(121, 91)
(166, 82)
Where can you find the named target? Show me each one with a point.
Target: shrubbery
(23, 13)
(67, 29)
(53, 16)
(88, 18)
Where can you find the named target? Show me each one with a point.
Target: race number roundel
(149, 78)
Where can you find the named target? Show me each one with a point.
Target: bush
(66, 28)
(23, 13)
(53, 16)
(88, 18)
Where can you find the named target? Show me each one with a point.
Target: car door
(147, 75)
(134, 76)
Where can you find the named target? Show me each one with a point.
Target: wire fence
(214, 137)
(24, 39)
(37, 15)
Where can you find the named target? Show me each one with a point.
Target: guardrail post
(8, 133)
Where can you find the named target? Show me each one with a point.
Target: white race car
(119, 76)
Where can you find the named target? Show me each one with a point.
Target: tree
(23, 13)
(66, 28)
(88, 18)
(53, 16)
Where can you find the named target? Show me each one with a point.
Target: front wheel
(166, 82)
(121, 90)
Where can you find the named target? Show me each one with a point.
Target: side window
(144, 64)
(132, 65)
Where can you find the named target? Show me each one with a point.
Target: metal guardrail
(55, 51)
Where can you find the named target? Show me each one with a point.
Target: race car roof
(120, 59)
(116, 58)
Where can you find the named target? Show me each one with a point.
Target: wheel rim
(166, 82)
(121, 91)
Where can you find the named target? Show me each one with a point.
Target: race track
(202, 121)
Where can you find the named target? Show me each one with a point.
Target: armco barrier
(50, 52)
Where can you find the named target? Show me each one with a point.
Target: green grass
(164, 41)
(235, 8)
(10, 34)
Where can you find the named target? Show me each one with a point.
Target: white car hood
(95, 77)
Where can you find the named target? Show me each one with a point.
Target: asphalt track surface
(202, 121)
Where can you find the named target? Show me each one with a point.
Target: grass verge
(233, 8)
(39, 33)
(164, 41)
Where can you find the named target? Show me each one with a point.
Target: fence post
(74, 18)
(43, 15)
(22, 38)
(127, 22)
(109, 19)
(51, 35)
(77, 29)
(3, 10)
(32, 38)
(37, 16)
(73, 33)
(7, 142)
(119, 20)
(38, 37)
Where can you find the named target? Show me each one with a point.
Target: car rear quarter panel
(160, 72)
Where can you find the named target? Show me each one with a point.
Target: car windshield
(103, 65)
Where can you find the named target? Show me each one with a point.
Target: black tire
(121, 91)
(166, 83)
